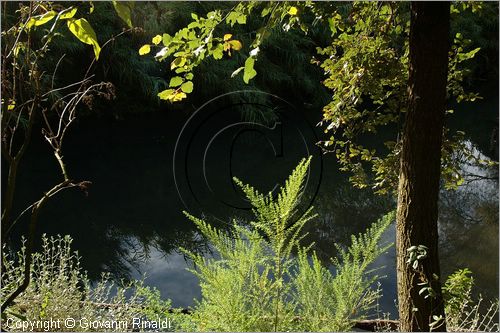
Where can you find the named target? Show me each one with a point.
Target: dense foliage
(255, 282)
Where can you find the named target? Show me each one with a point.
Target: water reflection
(132, 223)
(469, 225)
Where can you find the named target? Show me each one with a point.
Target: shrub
(263, 279)
(59, 289)
(463, 313)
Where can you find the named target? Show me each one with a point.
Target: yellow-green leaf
(41, 19)
(293, 10)
(122, 8)
(235, 44)
(178, 62)
(187, 87)
(178, 96)
(218, 52)
(227, 37)
(145, 49)
(249, 72)
(82, 29)
(166, 39)
(11, 105)
(165, 94)
(68, 14)
(157, 39)
(175, 81)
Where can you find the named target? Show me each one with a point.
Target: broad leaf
(68, 14)
(235, 45)
(165, 94)
(123, 10)
(145, 49)
(157, 39)
(175, 81)
(249, 72)
(41, 19)
(82, 29)
(187, 87)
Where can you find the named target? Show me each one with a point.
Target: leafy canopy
(365, 64)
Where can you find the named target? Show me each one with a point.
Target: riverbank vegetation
(368, 68)
(260, 277)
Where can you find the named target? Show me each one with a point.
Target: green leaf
(82, 29)
(165, 94)
(265, 11)
(178, 62)
(175, 81)
(187, 87)
(41, 19)
(145, 49)
(157, 39)
(166, 39)
(69, 14)
(242, 19)
(218, 52)
(249, 72)
(123, 10)
(235, 44)
(189, 76)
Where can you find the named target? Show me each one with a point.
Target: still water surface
(131, 223)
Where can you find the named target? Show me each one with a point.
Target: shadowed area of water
(131, 222)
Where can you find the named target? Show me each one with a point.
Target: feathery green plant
(261, 277)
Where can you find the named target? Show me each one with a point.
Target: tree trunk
(418, 190)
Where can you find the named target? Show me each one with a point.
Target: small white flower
(162, 52)
(254, 52)
(198, 50)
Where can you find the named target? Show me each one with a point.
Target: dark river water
(146, 169)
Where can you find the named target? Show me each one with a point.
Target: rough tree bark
(418, 190)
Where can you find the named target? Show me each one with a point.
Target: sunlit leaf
(123, 10)
(187, 87)
(293, 11)
(227, 37)
(218, 52)
(249, 72)
(11, 105)
(178, 62)
(41, 19)
(178, 96)
(157, 39)
(235, 45)
(68, 14)
(175, 81)
(82, 29)
(145, 49)
(165, 94)
(242, 19)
